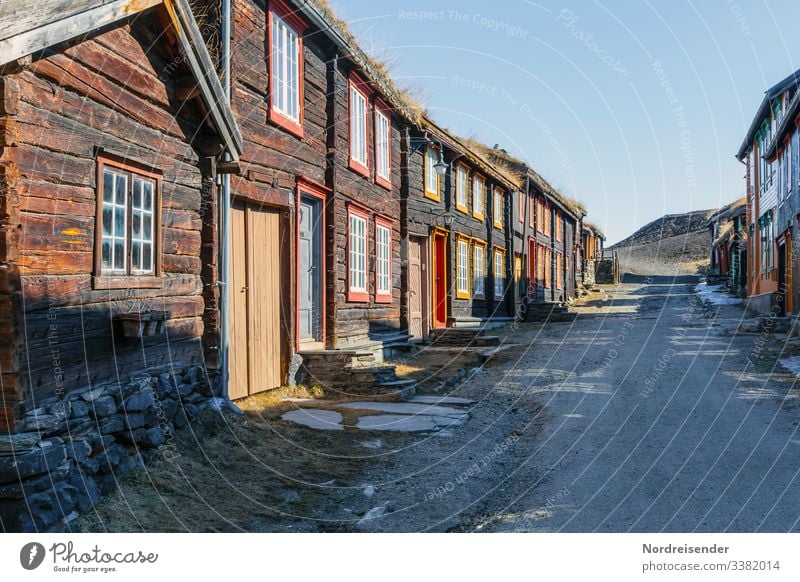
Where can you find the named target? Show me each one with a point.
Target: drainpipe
(224, 215)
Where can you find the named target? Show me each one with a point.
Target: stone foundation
(67, 453)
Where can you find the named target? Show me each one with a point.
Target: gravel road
(648, 413)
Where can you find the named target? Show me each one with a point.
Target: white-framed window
(357, 265)
(383, 154)
(478, 268)
(115, 221)
(383, 260)
(498, 273)
(498, 207)
(478, 210)
(462, 269)
(142, 225)
(285, 71)
(461, 188)
(431, 177)
(358, 126)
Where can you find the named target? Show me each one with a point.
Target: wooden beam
(48, 26)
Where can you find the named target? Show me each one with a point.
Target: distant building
(770, 200)
(728, 246)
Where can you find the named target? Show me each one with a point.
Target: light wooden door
(255, 300)
(417, 288)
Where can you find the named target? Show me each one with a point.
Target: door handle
(244, 289)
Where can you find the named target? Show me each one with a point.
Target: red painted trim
(380, 108)
(355, 82)
(361, 212)
(305, 186)
(386, 223)
(299, 26)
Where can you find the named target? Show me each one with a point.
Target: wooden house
(592, 240)
(770, 230)
(113, 125)
(321, 175)
(455, 219)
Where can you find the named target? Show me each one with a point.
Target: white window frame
(357, 250)
(478, 197)
(497, 207)
(498, 273)
(462, 268)
(383, 132)
(462, 185)
(359, 131)
(479, 269)
(383, 260)
(432, 184)
(285, 73)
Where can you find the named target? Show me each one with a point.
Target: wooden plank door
(415, 291)
(310, 270)
(255, 346)
(264, 269)
(238, 349)
(439, 280)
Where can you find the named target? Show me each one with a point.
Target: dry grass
(237, 473)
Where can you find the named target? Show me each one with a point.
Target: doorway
(310, 270)
(418, 313)
(439, 276)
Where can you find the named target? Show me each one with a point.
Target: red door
(439, 280)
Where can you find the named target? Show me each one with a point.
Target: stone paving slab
(315, 418)
(409, 408)
(398, 423)
(446, 400)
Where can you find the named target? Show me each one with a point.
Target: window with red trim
(359, 126)
(383, 145)
(383, 261)
(357, 255)
(285, 30)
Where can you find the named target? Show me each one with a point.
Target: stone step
(458, 338)
(394, 391)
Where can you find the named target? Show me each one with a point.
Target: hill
(675, 244)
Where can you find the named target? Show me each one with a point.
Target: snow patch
(715, 295)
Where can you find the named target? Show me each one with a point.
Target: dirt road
(646, 414)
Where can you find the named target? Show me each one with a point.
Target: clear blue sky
(634, 107)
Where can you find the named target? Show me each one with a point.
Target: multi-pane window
(431, 177)
(497, 208)
(285, 70)
(383, 262)
(461, 189)
(540, 260)
(498, 273)
(462, 269)
(532, 211)
(478, 268)
(559, 271)
(358, 127)
(477, 198)
(358, 257)
(128, 222)
(558, 227)
(382, 148)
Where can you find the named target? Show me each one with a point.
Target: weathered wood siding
(115, 92)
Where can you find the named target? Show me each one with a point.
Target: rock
(316, 418)
(38, 420)
(102, 407)
(369, 491)
(88, 492)
(185, 390)
(205, 389)
(373, 514)
(26, 487)
(154, 437)
(142, 400)
(81, 426)
(111, 424)
(195, 398)
(215, 404)
(35, 462)
(78, 409)
(180, 420)
(128, 464)
(133, 420)
(99, 442)
(169, 407)
(166, 386)
(78, 449)
(397, 423)
(18, 443)
(91, 465)
(191, 410)
(111, 457)
(94, 394)
(133, 437)
(193, 375)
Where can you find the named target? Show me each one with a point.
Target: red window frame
(384, 222)
(299, 26)
(357, 83)
(521, 205)
(380, 108)
(358, 296)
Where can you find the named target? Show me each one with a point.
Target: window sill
(480, 217)
(358, 168)
(289, 125)
(357, 297)
(384, 299)
(383, 183)
(127, 282)
(463, 209)
(432, 196)
(462, 295)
